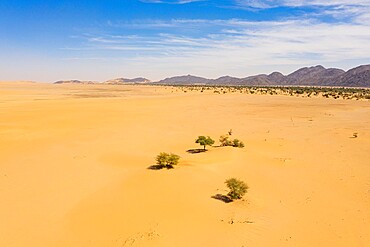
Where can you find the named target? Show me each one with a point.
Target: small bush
(237, 187)
(167, 160)
(241, 145)
(237, 143)
(224, 140)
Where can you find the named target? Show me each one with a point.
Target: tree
(205, 141)
(167, 160)
(173, 160)
(237, 188)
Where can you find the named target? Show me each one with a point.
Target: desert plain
(74, 168)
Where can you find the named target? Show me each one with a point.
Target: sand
(74, 158)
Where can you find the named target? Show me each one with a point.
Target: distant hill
(74, 82)
(128, 81)
(226, 80)
(185, 80)
(307, 76)
(357, 77)
(311, 76)
(113, 81)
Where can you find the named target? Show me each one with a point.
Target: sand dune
(74, 158)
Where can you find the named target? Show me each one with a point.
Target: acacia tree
(237, 188)
(205, 141)
(167, 160)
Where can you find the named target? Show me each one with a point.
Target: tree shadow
(355, 135)
(222, 198)
(159, 167)
(196, 151)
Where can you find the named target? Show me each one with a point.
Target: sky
(48, 40)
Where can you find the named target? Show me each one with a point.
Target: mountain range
(307, 76)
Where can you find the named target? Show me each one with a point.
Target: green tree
(167, 160)
(237, 188)
(205, 141)
(173, 160)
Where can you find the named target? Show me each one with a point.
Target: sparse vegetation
(166, 160)
(237, 187)
(298, 91)
(224, 140)
(205, 141)
(237, 143)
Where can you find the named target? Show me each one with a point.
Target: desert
(74, 167)
(184, 123)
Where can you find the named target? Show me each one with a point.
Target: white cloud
(299, 3)
(238, 47)
(354, 10)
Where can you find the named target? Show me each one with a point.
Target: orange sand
(74, 158)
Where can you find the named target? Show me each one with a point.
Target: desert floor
(74, 159)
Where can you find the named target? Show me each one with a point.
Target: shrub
(237, 143)
(167, 160)
(205, 141)
(237, 188)
(224, 140)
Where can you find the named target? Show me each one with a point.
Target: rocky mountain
(185, 80)
(276, 77)
(316, 75)
(356, 77)
(226, 80)
(127, 81)
(307, 76)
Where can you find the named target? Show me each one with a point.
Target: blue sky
(47, 40)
